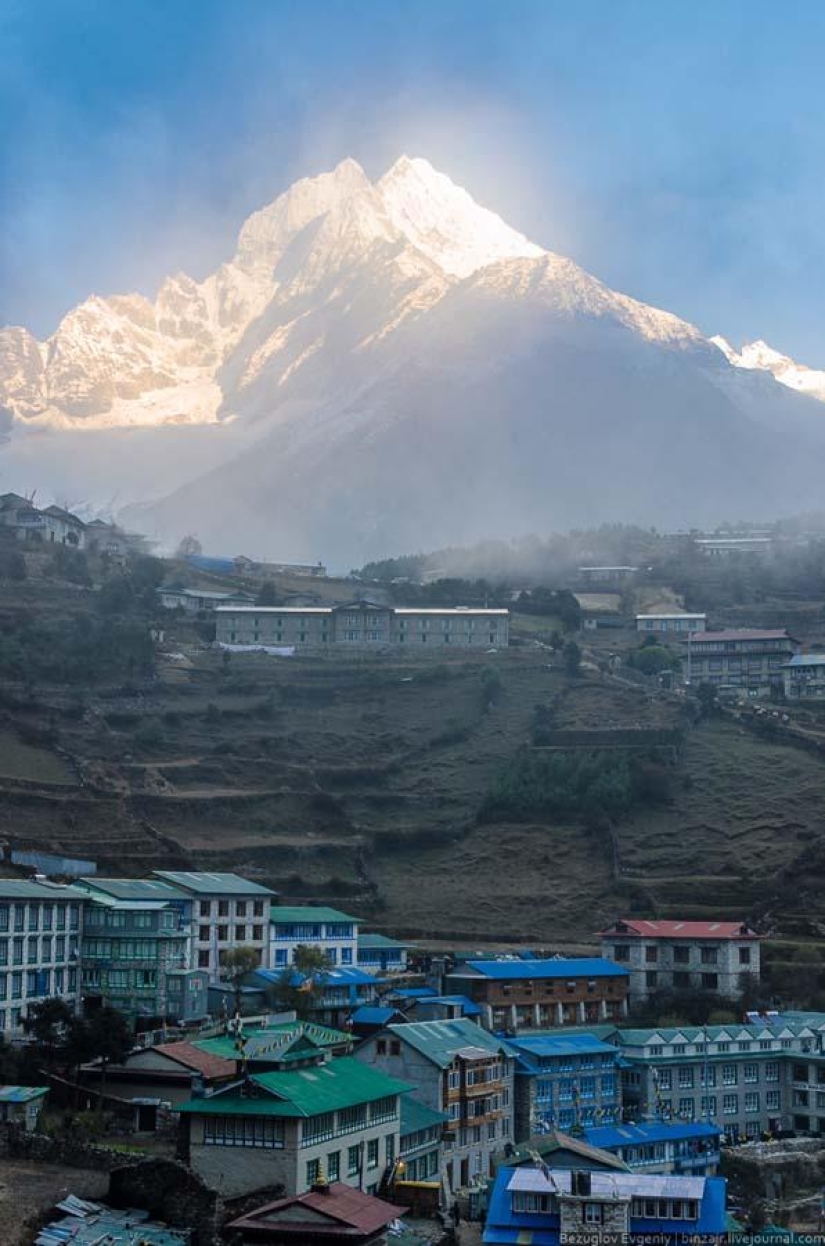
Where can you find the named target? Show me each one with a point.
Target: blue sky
(674, 148)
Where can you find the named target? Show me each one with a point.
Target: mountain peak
(444, 221)
(758, 356)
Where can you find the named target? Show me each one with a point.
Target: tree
(267, 595)
(190, 547)
(302, 982)
(572, 657)
(47, 1025)
(107, 1038)
(236, 963)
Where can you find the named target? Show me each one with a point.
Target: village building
(738, 1076)
(329, 1212)
(724, 548)
(379, 954)
(198, 600)
(677, 624)
(361, 625)
(553, 1206)
(136, 950)
(41, 925)
(22, 1105)
(803, 677)
(63, 528)
(607, 575)
(534, 994)
(267, 1047)
(337, 1118)
(294, 926)
(564, 1082)
(420, 1153)
(751, 660)
(458, 1069)
(661, 955)
(260, 569)
(228, 912)
(339, 992)
(109, 539)
(688, 1147)
(157, 1079)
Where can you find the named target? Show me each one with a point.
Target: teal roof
(225, 1045)
(340, 1083)
(711, 1033)
(25, 889)
(379, 941)
(306, 913)
(440, 1041)
(135, 888)
(416, 1116)
(22, 1094)
(204, 884)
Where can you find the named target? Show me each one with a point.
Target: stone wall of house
(171, 1194)
(17, 1143)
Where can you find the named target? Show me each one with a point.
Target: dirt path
(28, 1190)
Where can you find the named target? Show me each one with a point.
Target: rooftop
(351, 1212)
(638, 1135)
(327, 977)
(22, 1094)
(340, 1083)
(292, 914)
(259, 1042)
(442, 1041)
(675, 614)
(27, 889)
(374, 1014)
(578, 967)
(415, 1116)
(544, 1045)
(135, 888)
(207, 884)
(642, 928)
(807, 659)
(196, 1059)
(379, 941)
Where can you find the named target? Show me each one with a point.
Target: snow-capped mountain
(387, 365)
(759, 356)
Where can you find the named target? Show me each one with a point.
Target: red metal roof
(192, 1057)
(643, 928)
(346, 1207)
(701, 638)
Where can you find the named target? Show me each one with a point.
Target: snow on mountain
(759, 356)
(443, 221)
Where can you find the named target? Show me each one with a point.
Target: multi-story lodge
(361, 624)
(519, 994)
(228, 912)
(40, 928)
(679, 624)
(750, 1079)
(683, 955)
(804, 677)
(136, 949)
(564, 1081)
(335, 1118)
(752, 660)
(459, 1069)
(334, 933)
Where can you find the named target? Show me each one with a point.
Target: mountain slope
(390, 365)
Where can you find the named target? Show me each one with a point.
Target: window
(651, 955)
(685, 1077)
(709, 955)
(651, 978)
(223, 908)
(313, 1171)
(710, 982)
(772, 1100)
(333, 1166)
(686, 1109)
(258, 908)
(593, 1213)
(621, 952)
(205, 906)
(665, 1079)
(681, 956)
(353, 1160)
(240, 934)
(750, 1073)
(240, 908)
(318, 1128)
(744, 956)
(243, 1131)
(752, 1101)
(223, 934)
(372, 1153)
(381, 1046)
(203, 934)
(203, 960)
(681, 981)
(395, 1046)
(729, 1075)
(730, 1105)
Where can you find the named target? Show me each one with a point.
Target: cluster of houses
(518, 1080)
(53, 525)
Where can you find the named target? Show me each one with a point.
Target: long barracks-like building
(361, 625)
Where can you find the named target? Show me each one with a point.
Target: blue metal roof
(367, 1015)
(580, 967)
(609, 1136)
(415, 992)
(545, 1045)
(469, 1006)
(329, 977)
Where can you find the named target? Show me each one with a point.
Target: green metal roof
(286, 914)
(340, 1083)
(440, 1041)
(135, 888)
(202, 883)
(321, 1035)
(416, 1116)
(24, 889)
(21, 1094)
(379, 941)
